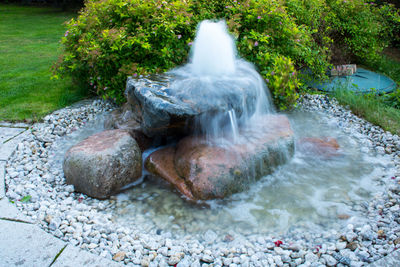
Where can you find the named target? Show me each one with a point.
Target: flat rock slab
(10, 212)
(392, 259)
(202, 170)
(23, 244)
(14, 125)
(12, 137)
(166, 104)
(74, 257)
(2, 184)
(8, 133)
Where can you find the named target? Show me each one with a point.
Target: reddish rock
(210, 171)
(103, 163)
(324, 146)
(161, 163)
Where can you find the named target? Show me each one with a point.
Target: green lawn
(29, 45)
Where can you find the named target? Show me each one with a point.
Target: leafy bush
(357, 29)
(359, 26)
(112, 39)
(283, 82)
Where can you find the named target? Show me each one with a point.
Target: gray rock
(207, 258)
(165, 110)
(330, 261)
(367, 233)
(311, 257)
(210, 236)
(103, 163)
(54, 224)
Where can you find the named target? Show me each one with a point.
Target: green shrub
(353, 30)
(112, 39)
(357, 25)
(283, 82)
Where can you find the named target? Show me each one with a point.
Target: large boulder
(167, 105)
(201, 170)
(103, 163)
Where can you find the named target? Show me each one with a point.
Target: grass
(29, 45)
(380, 110)
(372, 109)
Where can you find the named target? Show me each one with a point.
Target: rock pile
(100, 165)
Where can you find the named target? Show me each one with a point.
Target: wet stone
(202, 171)
(163, 110)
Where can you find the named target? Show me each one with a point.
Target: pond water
(310, 191)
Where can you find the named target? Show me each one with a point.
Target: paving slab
(14, 125)
(7, 148)
(2, 183)
(7, 133)
(23, 244)
(392, 259)
(73, 256)
(10, 212)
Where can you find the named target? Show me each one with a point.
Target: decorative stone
(201, 170)
(103, 163)
(162, 109)
(119, 256)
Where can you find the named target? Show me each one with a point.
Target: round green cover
(363, 81)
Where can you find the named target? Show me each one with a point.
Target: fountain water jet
(213, 50)
(215, 69)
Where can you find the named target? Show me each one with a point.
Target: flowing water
(234, 126)
(214, 51)
(222, 80)
(310, 191)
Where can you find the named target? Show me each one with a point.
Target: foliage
(112, 39)
(391, 68)
(362, 26)
(352, 30)
(25, 199)
(283, 82)
(371, 108)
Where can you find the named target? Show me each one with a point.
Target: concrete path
(23, 243)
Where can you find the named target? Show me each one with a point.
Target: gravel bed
(87, 223)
